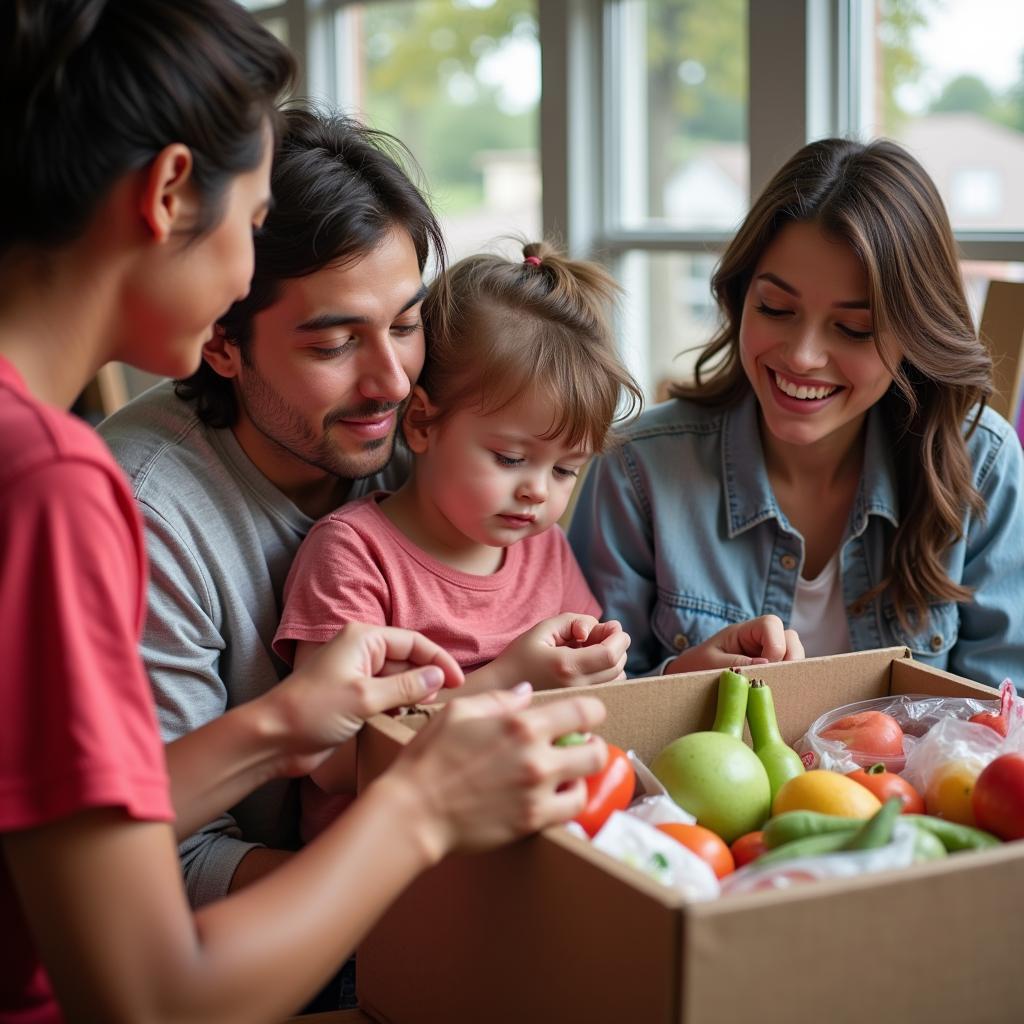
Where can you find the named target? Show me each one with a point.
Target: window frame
(806, 62)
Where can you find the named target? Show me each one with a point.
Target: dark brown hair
(496, 326)
(880, 201)
(94, 89)
(339, 188)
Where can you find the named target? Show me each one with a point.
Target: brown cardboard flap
(532, 931)
(913, 677)
(929, 943)
(667, 707)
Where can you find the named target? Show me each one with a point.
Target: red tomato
(748, 848)
(703, 842)
(993, 719)
(611, 789)
(998, 798)
(886, 784)
(870, 732)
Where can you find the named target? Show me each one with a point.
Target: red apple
(998, 800)
(868, 732)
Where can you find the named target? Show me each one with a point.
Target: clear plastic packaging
(642, 846)
(955, 740)
(917, 715)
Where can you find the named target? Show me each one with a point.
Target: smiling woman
(834, 464)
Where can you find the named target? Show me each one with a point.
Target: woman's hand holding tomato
(611, 789)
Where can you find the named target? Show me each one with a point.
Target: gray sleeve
(181, 647)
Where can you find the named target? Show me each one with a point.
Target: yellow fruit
(949, 791)
(827, 792)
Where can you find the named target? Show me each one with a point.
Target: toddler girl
(520, 388)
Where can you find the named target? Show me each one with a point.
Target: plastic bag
(954, 740)
(654, 805)
(842, 864)
(916, 714)
(642, 846)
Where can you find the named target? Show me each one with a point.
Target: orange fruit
(950, 789)
(703, 842)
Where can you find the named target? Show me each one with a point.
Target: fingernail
(431, 678)
(521, 689)
(759, 661)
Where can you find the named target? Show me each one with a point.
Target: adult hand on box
(752, 642)
(566, 650)
(362, 671)
(485, 770)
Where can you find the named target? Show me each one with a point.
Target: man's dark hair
(338, 189)
(91, 90)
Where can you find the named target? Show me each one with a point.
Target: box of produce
(865, 896)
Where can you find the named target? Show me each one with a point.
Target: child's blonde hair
(495, 326)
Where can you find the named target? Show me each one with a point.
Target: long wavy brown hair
(880, 200)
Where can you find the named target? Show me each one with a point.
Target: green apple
(718, 779)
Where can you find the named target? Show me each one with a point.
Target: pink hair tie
(534, 261)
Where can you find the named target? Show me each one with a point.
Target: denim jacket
(679, 534)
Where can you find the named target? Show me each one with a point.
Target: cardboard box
(550, 929)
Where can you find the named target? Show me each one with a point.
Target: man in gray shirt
(294, 411)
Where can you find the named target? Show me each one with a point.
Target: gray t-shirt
(220, 539)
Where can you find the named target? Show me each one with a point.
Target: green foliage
(901, 64)
(964, 94)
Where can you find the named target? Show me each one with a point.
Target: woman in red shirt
(138, 137)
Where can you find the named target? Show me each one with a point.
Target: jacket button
(936, 642)
(681, 641)
(788, 562)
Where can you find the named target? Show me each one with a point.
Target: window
(658, 118)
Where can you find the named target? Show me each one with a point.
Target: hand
(566, 650)
(749, 643)
(484, 771)
(338, 686)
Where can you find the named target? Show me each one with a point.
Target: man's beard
(280, 424)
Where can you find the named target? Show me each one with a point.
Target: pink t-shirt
(77, 723)
(356, 566)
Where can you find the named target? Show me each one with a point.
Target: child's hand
(756, 640)
(566, 650)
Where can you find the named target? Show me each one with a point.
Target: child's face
(494, 479)
(807, 340)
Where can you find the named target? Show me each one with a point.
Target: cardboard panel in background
(551, 930)
(1002, 327)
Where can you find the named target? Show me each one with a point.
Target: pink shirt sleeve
(78, 727)
(334, 580)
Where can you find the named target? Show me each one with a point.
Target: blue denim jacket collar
(748, 492)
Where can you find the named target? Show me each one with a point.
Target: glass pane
(278, 27)
(458, 81)
(678, 89)
(667, 315)
(951, 88)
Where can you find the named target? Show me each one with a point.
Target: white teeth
(801, 390)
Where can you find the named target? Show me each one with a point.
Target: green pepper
(927, 846)
(790, 825)
(877, 830)
(807, 846)
(954, 837)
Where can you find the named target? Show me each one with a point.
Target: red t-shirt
(77, 724)
(355, 565)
